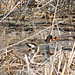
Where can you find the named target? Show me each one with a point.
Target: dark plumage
(49, 37)
(43, 47)
(33, 45)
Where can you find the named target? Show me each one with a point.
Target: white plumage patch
(32, 46)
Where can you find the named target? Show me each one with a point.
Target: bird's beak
(53, 39)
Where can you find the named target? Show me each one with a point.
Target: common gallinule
(47, 40)
(43, 47)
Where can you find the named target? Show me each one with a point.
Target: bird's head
(52, 37)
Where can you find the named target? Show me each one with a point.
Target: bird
(43, 47)
(47, 40)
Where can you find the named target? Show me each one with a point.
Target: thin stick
(10, 11)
